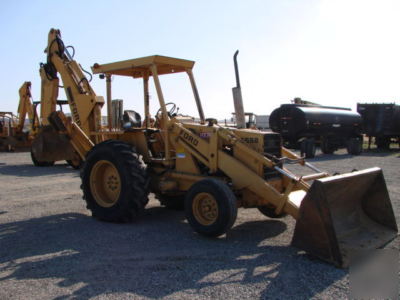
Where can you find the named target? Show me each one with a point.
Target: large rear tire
(115, 182)
(210, 207)
(38, 163)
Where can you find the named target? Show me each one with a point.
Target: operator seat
(131, 119)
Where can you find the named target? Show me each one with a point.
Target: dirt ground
(50, 247)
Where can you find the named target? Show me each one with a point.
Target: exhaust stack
(237, 97)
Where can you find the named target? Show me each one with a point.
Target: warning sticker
(180, 152)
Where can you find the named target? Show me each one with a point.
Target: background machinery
(13, 133)
(215, 170)
(253, 121)
(7, 130)
(305, 125)
(382, 122)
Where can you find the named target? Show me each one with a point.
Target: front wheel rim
(205, 208)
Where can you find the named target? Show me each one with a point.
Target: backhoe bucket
(344, 215)
(49, 145)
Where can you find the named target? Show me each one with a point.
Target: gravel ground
(50, 247)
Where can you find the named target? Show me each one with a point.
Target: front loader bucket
(343, 215)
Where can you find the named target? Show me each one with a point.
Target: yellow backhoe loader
(214, 170)
(8, 139)
(12, 133)
(50, 146)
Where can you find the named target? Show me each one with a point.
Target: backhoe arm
(25, 107)
(85, 106)
(78, 139)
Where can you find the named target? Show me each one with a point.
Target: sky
(333, 52)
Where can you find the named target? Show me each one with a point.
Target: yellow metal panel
(138, 67)
(213, 152)
(185, 162)
(138, 140)
(164, 115)
(48, 97)
(192, 142)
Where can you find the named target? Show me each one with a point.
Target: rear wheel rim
(105, 183)
(205, 208)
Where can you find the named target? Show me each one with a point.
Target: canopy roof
(139, 66)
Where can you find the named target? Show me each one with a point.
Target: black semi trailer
(382, 122)
(305, 126)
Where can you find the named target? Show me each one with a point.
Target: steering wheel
(170, 111)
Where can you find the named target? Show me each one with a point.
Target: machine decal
(74, 108)
(189, 138)
(250, 140)
(205, 135)
(180, 152)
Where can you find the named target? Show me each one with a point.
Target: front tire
(210, 207)
(115, 182)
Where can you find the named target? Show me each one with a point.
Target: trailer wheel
(210, 207)
(115, 182)
(354, 146)
(270, 212)
(308, 148)
(327, 147)
(38, 163)
(382, 143)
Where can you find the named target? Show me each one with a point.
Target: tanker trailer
(381, 121)
(306, 126)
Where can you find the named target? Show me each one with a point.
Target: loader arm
(286, 200)
(84, 104)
